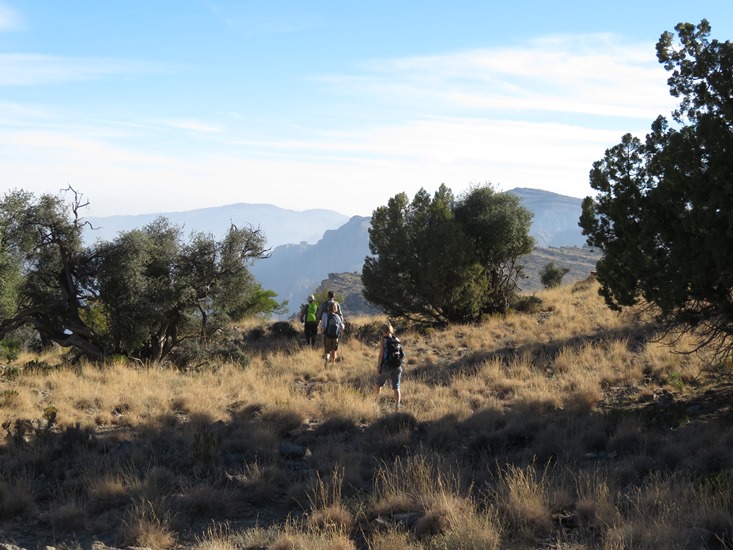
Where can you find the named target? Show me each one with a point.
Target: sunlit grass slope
(567, 426)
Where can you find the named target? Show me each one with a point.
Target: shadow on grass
(541, 356)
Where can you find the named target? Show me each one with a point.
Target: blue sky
(169, 105)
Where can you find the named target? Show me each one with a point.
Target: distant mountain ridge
(555, 221)
(294, 271)
(280, 226)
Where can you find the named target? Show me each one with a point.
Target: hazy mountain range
(279, 225)
(314, 245)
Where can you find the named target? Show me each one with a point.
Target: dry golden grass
(573, 425)
(144, 527)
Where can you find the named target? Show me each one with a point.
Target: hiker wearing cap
(308, 316)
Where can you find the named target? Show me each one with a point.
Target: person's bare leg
(397, 397)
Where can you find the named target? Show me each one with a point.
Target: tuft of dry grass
(145, 528)
(595, 507)
(69, 516)
(523, 499)
(17, 497)
(393, 540)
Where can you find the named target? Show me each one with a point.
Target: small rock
(289, 450)
(408, 518)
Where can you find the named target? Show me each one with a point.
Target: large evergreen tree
(139, 295)
(443, 259)
(664, 211)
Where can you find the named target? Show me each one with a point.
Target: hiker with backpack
(309, 318)
(389, 363)
(323, 309)
(331, 299)
(332, 326)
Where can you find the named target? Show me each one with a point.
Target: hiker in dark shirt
(323, 308)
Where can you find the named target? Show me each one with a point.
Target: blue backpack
(333, 330)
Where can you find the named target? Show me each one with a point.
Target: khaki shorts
(330, 344)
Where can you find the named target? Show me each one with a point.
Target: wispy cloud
(264, 18)
(10, 20)
(22, 69)
(588, 75)
(195, 126)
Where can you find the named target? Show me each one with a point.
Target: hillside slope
(567, 427)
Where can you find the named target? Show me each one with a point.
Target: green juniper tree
(663, 215)
(442, 259)
(551, 275)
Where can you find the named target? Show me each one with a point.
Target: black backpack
(333, 330)
(393, 352)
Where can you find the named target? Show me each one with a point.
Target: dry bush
(308, 541)
(452, 521)
(630, 437)
(581, 392)
(412, 481)
(156, 482)
(107, 492)
(659, 513)
(215, 544)
(523, 499)
(433, 488)
(427, 496)
(444, 434)
(331, 518)
(16, 497)
(144, 527)
(296, 535)
(204, 500)
(392, 540)
(329, 490)
(256, 482)
(358, 466)
(478, 533)
(67, 516)
(652, 529)
(595, 507)
(220, 536)
(223, 537)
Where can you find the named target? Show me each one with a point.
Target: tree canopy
(663, 215)
(444, 259)
(138, 295)
(551, 275)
